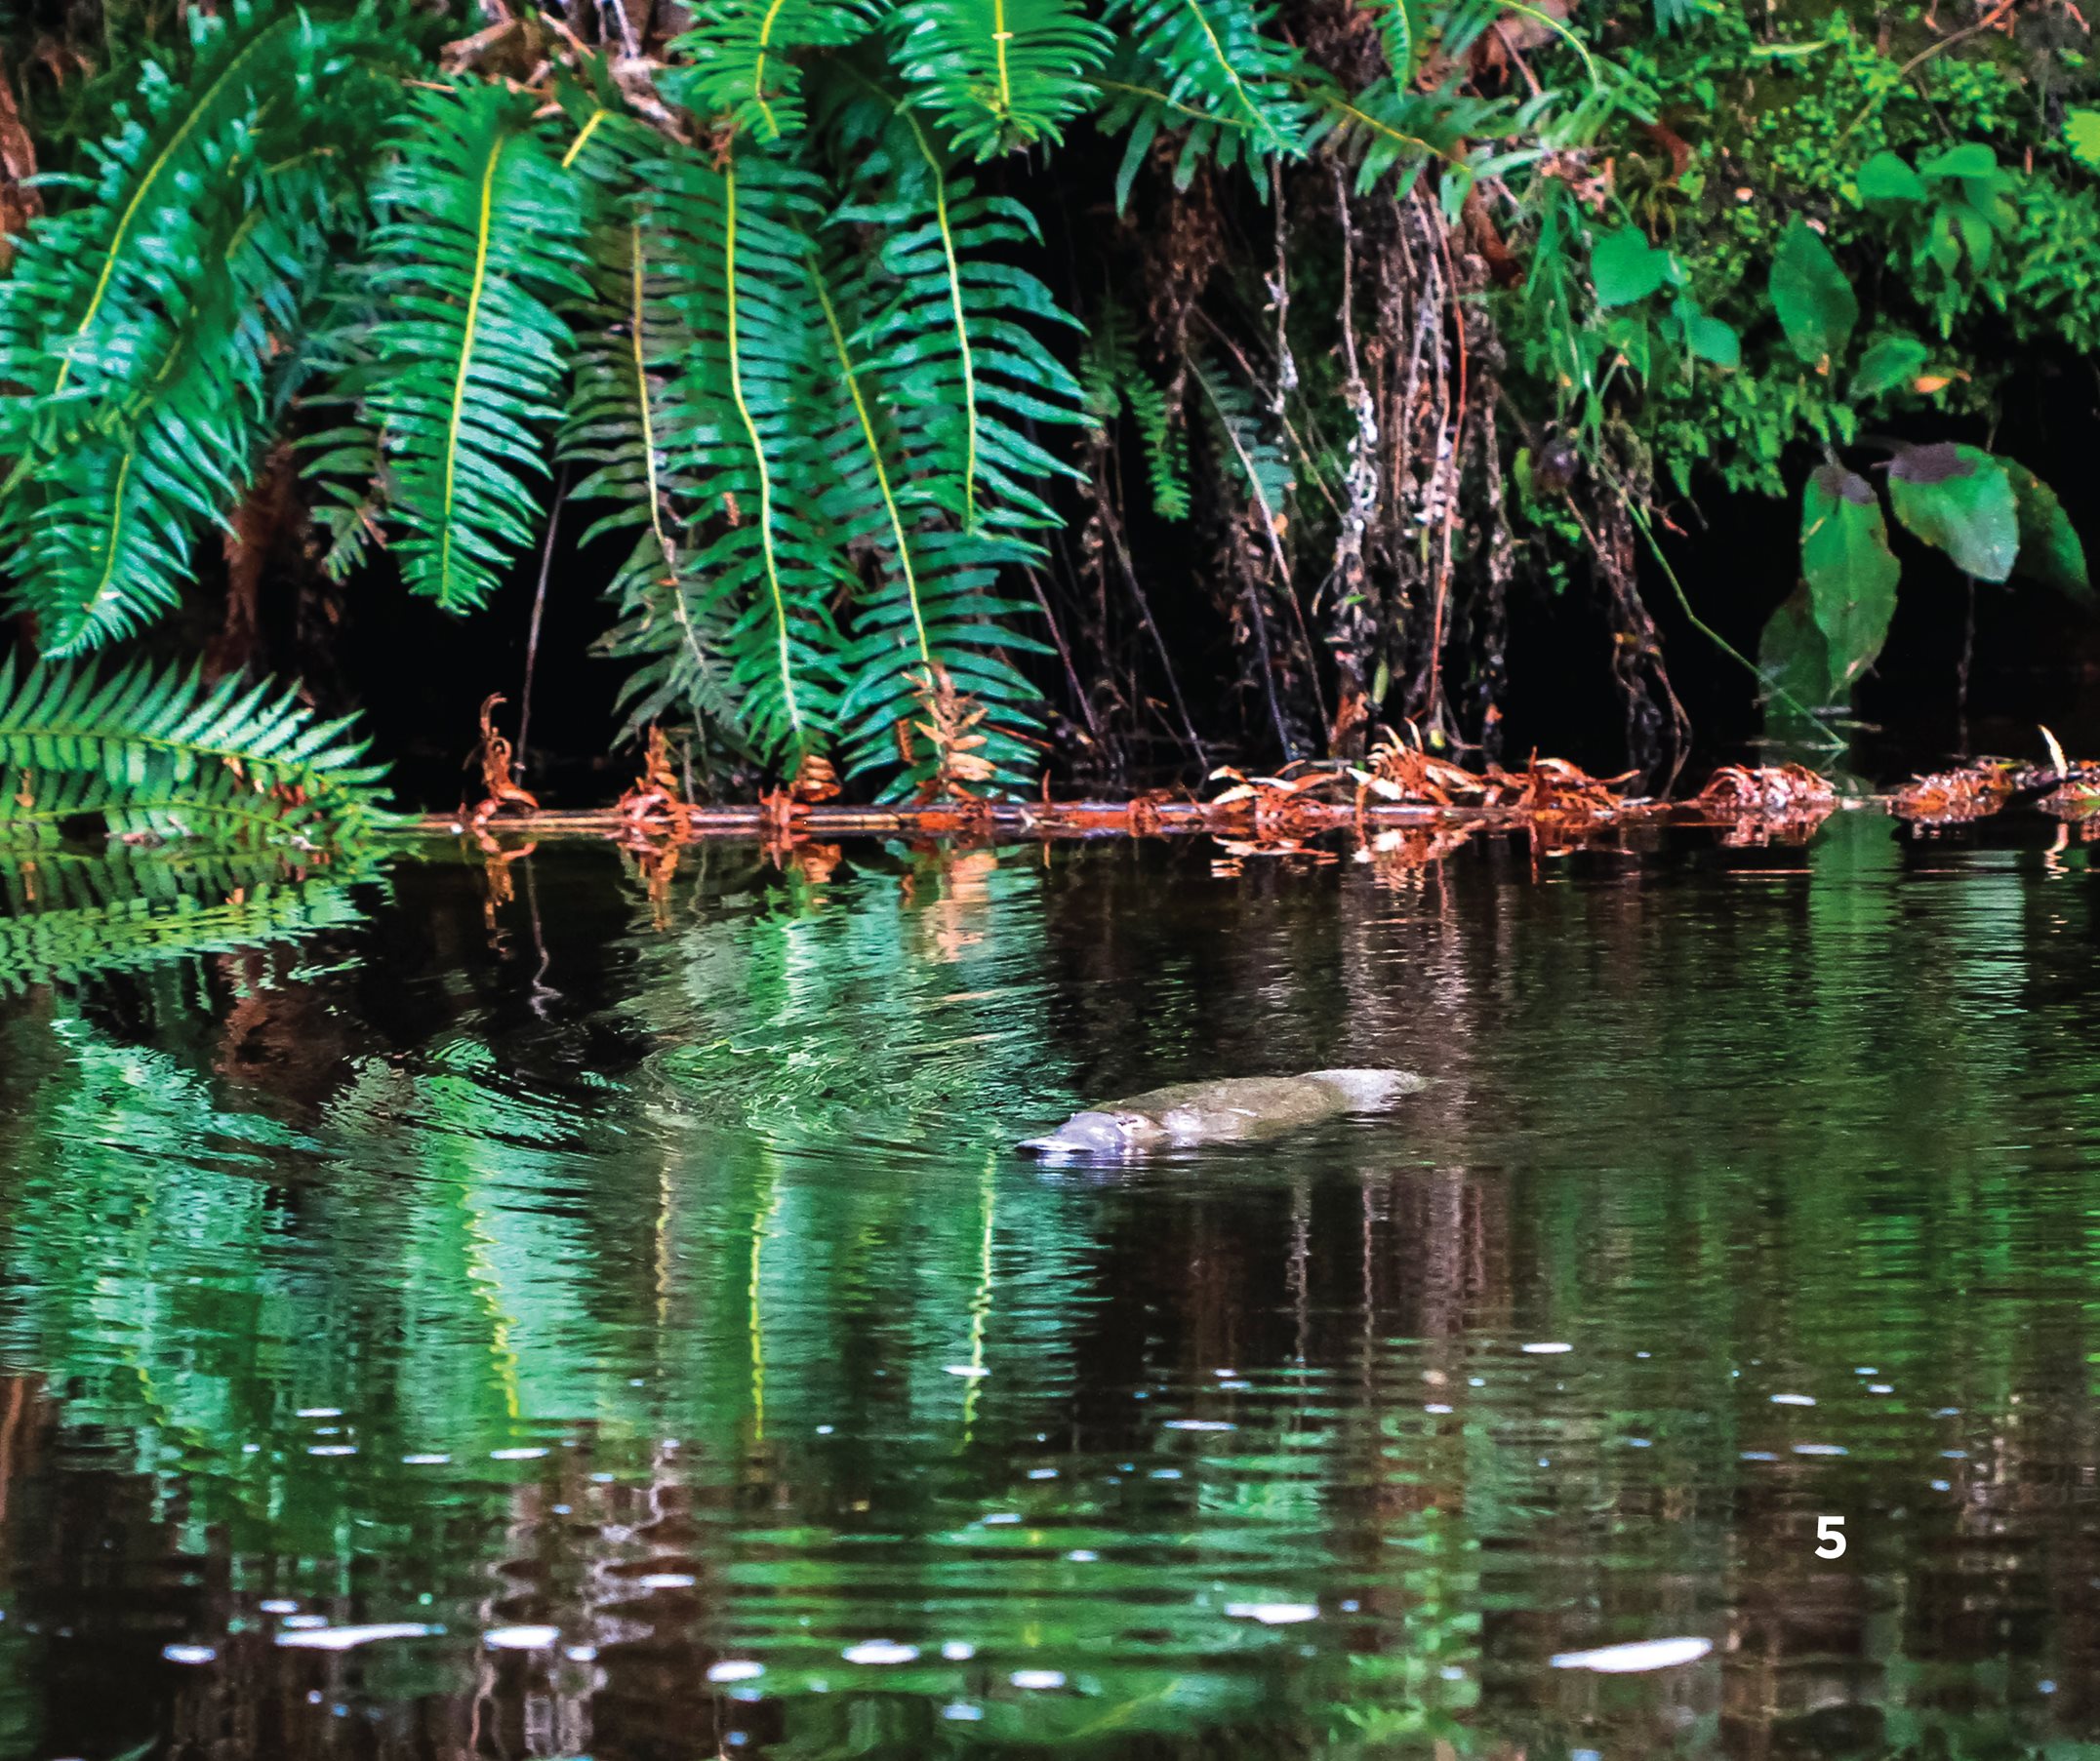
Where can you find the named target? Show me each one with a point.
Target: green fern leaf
(1207, 65)
(999, 74)
(156, 753)
(959, 330)
(477, 239)
(634, 438)
(932, 608)
(739, 58)
(157, 321)
(738, 235)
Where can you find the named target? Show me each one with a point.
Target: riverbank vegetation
(944, 393)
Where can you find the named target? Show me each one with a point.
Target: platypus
(1214, 1112)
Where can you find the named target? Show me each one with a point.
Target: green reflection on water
(657, 1272)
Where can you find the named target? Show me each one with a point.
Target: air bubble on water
(1757, 1455)
(1548, 1347)
(1037, 1678)
(1881, 1388)
(1820, 1449)
(524, 1454)
(958, 1651)
(1042, 1473)
(521, 1638)
(320, 1412)
(666, 1581)
(735, 1670)
(880, 1651)
(962, 1712)
(1272, 1613)
(1793, 1400)
(188, 1653)
(278, 1605)
(1082, 1556)
(1943, 1486)
(1435, 1406)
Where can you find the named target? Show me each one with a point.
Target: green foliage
(155, 752)
(1851, 573)
(461, 377)
(71, 918)
(999, 74)
(1959, 500)
(740, 60)
(1815, 302)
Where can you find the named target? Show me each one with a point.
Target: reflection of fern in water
(70, 917)
(157, 753)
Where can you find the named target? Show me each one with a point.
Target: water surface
(623, 1301)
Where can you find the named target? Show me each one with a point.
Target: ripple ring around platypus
(1229, 1109)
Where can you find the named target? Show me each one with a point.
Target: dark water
(631, 1304)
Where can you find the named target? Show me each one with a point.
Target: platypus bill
(1222, 1112)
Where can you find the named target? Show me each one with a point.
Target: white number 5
(1829, 1536)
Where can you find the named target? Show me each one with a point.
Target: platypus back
(1220, 1111)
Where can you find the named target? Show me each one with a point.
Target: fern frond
(1257, 457)
(739, 58)
(738, 237)
(157, 753)
(635, 439)
(1400, 28)
(999, 74)
(72, 918)
(477, 239)
(1116, 382)
(932, 611)
(1391, 133)
(156, 327)
(1206, 65)
(956, 331)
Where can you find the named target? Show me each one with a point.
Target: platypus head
(1098, 1136)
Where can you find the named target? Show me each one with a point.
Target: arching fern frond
(1209, 66)
(955, 333)
(635, 439)
(155, 325)
(932, 611)
(157, 753)
(478, 240)
(739, 58)
(1116, 382)
(999, 74)
(739, 238)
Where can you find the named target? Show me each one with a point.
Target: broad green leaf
(1851, 573)
(1625, 267)
(1794, 661)
(1889, 362)
(1887, 177)
(1971, 159)
(1961, 500)
(1708, 338)
(1816, 306)
(2082, 134)
(2050, 548)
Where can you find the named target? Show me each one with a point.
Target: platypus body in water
(1229, 1109)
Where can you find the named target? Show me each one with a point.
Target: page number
(1829, 1537)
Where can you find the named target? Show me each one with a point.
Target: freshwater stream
(531, 1313)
